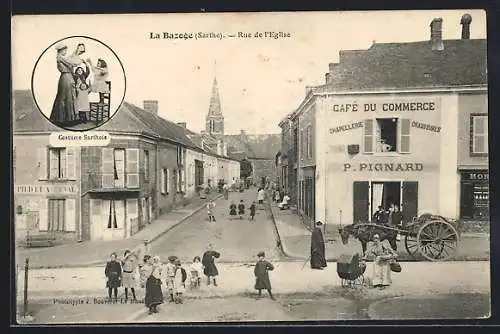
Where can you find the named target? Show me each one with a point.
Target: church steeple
(215, 119)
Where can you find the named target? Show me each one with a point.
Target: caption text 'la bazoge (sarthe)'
(220, 35)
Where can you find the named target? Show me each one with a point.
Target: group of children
(233, 210)
(84, 87)
(153, 274)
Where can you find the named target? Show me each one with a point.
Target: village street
(422, 290)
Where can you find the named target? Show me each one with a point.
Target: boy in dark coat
(261, 272)
(113, 274)
(208, 262)
(241, 209)
(252, 210)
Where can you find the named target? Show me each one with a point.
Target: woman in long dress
(384, 254)
(154, 295)
(64, 107)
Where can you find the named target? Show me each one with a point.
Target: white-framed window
(386, 135)
(57, 163)
(165, 181)
(120, 168)
(479, 134)
(146, 165)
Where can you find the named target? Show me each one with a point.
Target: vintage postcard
(245, 167)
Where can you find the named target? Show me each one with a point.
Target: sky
(260, 80)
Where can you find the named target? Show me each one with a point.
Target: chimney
(327, 77)
(332, 67)
(308, 89)
(465, 22)
(151, 106)
(437, 34)
(183, 124)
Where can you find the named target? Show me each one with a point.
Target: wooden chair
(100, 111)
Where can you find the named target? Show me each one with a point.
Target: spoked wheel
(411, 245)
(437, 240)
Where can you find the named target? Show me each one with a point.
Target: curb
(281, 244)
(102, 263)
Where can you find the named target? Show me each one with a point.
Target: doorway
(384, 194)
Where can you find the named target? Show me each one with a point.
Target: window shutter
(43, 215)
(108, 165)
(133, 168)
(54, 155)
(183, 180)
(71, 163)
(368, 136)
(42, 163)
(479, 134)
(70, 215)
(361, 203)
(162, 181)
(404, 140)
(132, 216)
(167, 180)
(410, 200)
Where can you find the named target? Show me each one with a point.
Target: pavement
(238, 240)
(92, 253)
(295, 240)
(55, 292)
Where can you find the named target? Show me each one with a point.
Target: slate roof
(262, 146)
(463, 62)
(23, 103)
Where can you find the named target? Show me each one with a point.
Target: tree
(245, 168)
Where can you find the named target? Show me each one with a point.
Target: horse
(365, 232)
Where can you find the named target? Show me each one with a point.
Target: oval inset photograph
(78, 83)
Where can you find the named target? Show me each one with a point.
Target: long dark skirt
(154, 295)
(64, 107)
(262, 282)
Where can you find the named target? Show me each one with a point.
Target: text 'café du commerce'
(384, 150)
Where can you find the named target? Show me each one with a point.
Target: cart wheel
(437, 240)
(360, 280)
(411, 245)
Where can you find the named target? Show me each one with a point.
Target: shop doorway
(368, 195)
(384, 194)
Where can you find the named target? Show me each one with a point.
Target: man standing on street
(261, 272)
(318, 260)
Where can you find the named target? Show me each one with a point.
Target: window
(211, 125)
(309, 142)
(386, 135)
(302, 144)
(57, 163)
(479, 134)
(119, 168)
(146, 165)
(56, 222)
(180, 155)
(180, 180)
(165, 189)
(112, 220)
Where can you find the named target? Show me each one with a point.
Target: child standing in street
(252, 210)
(170, 268)
(179, 281)
(241, 209)
(210, 210)
(261, 272)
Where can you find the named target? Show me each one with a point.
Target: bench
(40, 240)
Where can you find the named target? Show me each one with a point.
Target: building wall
(337, 169)
(167, 159)
(33, 188)
(145, 196)
(470, 104)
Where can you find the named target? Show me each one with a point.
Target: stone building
(398, 123)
